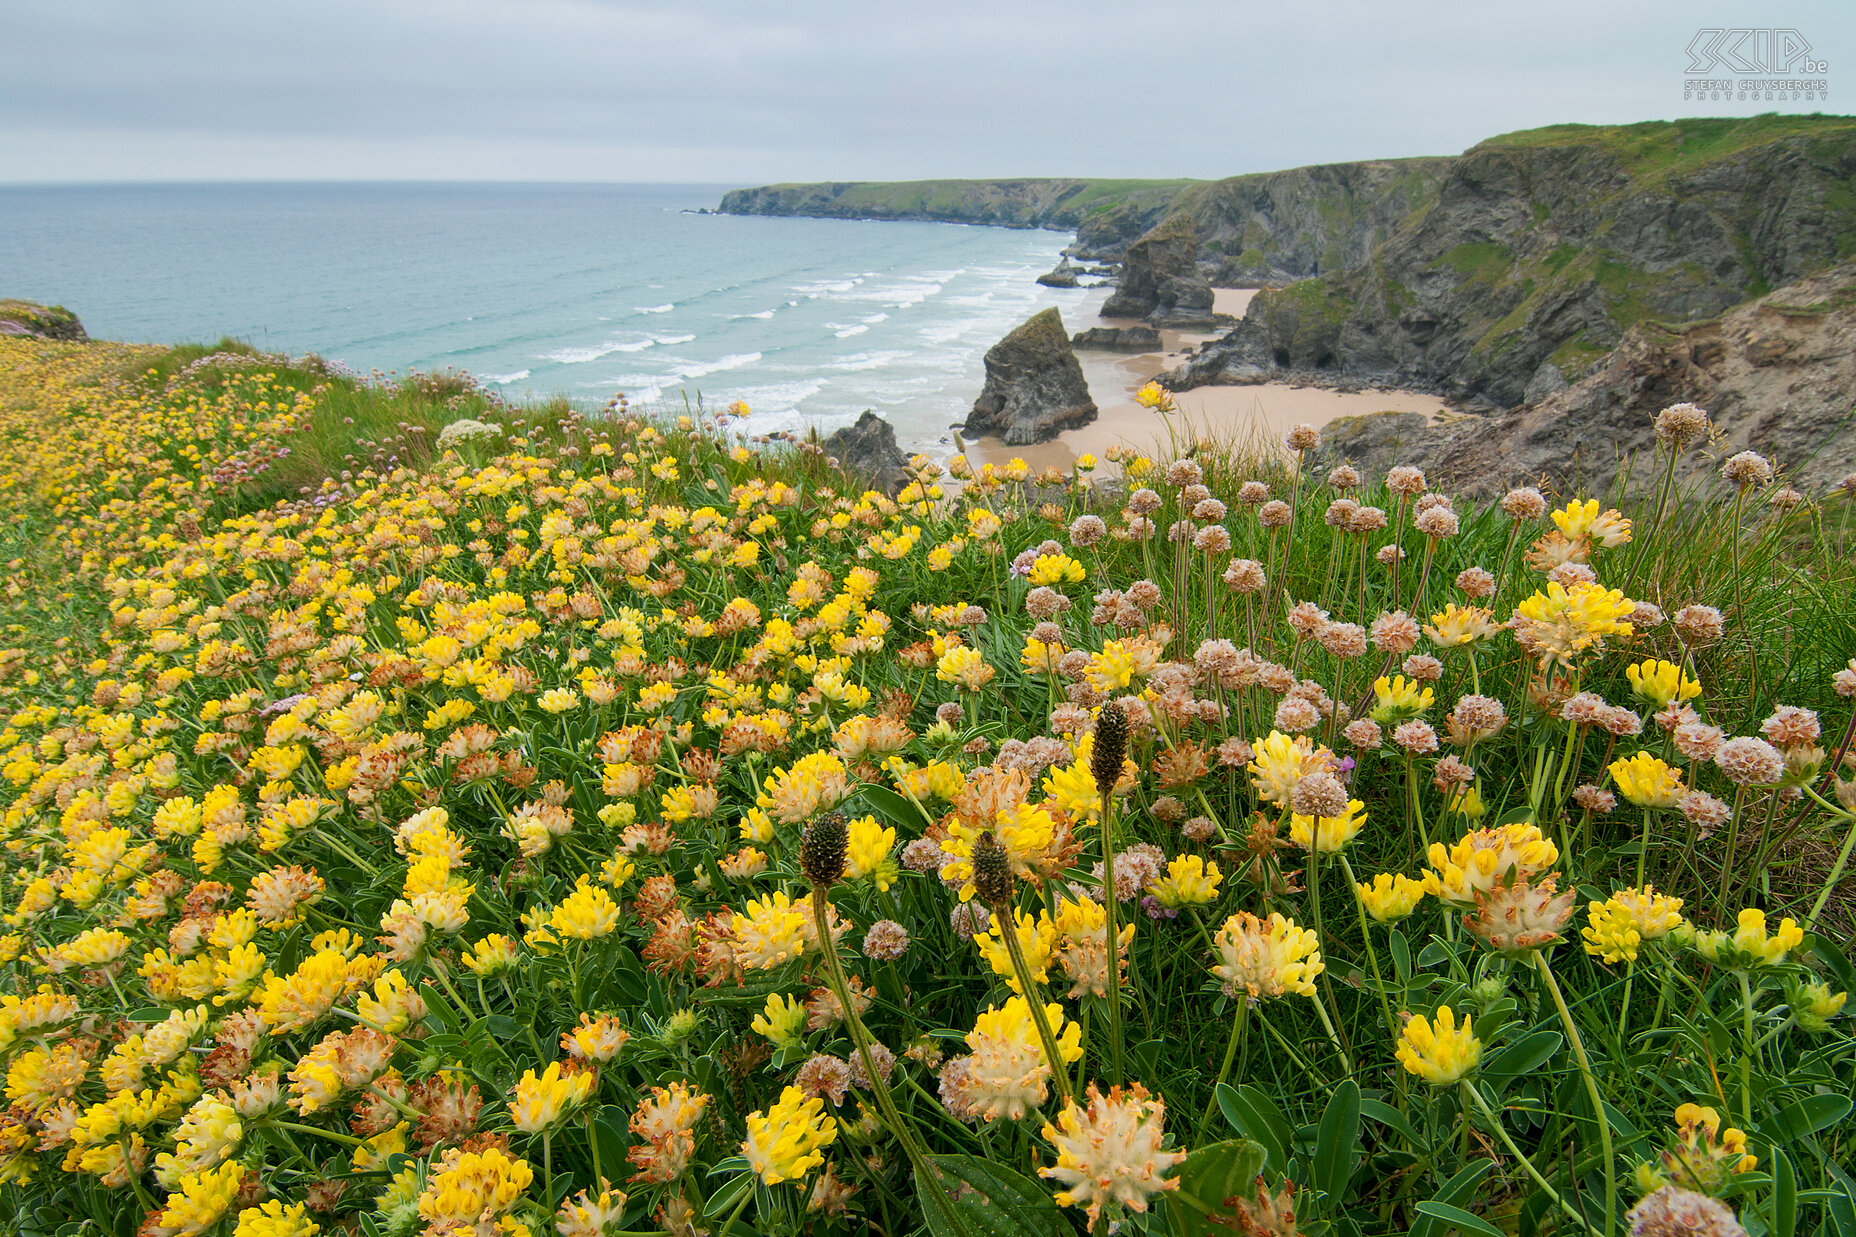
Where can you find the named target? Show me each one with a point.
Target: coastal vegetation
(430, 815)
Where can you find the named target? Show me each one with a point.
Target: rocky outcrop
(1541, 249)
(1160, 279)
(868, 451)
(1063, 275)
(1775, 373)
(1118, 339)
(36, 321)
(1034, 385)
(1276, 226)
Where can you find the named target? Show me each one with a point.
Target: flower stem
(1501, 1132)
(1240, 1023)
(1746, 1055)
(1591, 1088)
(1112, 908)
(886, 1104)
(1034, 998)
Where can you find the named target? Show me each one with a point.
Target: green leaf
(1806, 1117)
(1208, 1179)
(1458, 1189)
(1522, 1057)
(1834, 959)
(1429, 956)
(1337, 1143)
(1457, 1218)
(723, 1200)
(155, 1013)
(897, 808)
(1264, 1126)
(1391, 1118)
(1784, 1195)
(992, 1200)
(1401, 953)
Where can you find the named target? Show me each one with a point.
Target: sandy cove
(1268, 410)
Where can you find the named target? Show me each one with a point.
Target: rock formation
(1063, 275)
(1160, 279)
(1540, 249)
(1776, 374)
(37, 321)
(1034, 385)
(1118, 339)
(868, 451)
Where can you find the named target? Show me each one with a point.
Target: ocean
(577, 290)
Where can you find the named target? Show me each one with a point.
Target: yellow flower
(1266, 957)
(1814, 1004)
(1398, 698)
(783, 1022)
(1459, 625)
(1189, 881)
(1559, 623)
(1037, 937)
(814, 784)
(1467, 801)
(1579, 520)
(867, 853)
(274, 1219)
(965, 667)
(1278, 762)
(586, 914)
(492, 954)
(1486, 858)
(1647, 781)
(1661, 682)
(1391, 896)
(200, 1199)
(1704, 1157)
(1113, 1150)
(1154, 396)
(1618, 926)
(467, 1186)
(771, 931)
(1008, 1075)
(1113, 668)
(537, 1104)
(1437, 1051)
(1749, 946)
(1055, 569)
(786, 1142)
(1335, 832)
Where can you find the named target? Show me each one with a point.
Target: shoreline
(1260, 413)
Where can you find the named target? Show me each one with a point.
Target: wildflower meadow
(428, 815)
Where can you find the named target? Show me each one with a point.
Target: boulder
(1118, 339)
(1063, 275)
(1034, 385)
(868, 451)
(36, 321)
(1160, 279)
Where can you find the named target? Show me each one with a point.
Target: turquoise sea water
(582, 290)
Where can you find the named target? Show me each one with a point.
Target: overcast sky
(762, 90)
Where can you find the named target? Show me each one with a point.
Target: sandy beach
(1267, 410)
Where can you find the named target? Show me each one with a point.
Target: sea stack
(1034, 385)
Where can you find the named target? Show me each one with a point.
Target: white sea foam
(655, 309)
(673, 339)
(849, 331)
(765, 314)
(873, 319)
(580, 356)
(700, 369)
(503, 379)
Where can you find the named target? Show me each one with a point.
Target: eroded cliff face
(1106, 214)
(1540, 250)
(1777, 375)
(1034, 385)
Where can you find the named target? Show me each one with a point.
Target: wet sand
(1261, 414)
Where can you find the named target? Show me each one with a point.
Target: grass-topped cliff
(1545, 246)
(1129, 206)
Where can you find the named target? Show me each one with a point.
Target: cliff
(1104, 213)
(1775, 373)
(1539, 250)
(39, 321)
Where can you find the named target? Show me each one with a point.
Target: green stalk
(1746, 1055)
(1112, 907)
(1591, 1088)
(1501, 1132)
(886, 1105)
(1034, 998)
(1240, 1024)
(1372, 955)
